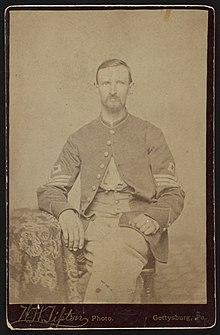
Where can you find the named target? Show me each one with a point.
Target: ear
(96, 87)
(131, 88)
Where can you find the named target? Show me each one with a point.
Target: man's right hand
(72, 229)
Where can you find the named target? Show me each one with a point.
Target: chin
(114, 108)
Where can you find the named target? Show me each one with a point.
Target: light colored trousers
(114, 255)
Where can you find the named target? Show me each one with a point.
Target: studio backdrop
(53, 59)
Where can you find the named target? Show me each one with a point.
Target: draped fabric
(41, 268)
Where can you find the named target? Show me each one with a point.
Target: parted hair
(112, 63)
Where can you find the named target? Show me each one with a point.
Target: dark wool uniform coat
(144, 163)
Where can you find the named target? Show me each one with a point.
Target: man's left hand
(145, 224)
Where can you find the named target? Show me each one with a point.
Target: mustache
(113, 96)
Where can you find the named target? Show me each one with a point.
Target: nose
(113, 89)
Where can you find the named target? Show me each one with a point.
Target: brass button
(164, 229)
(93, 187)
(88, 199)
(102, 166)
(112, 131)
(106, 154)
(116, 201)
(109, 142)
(98, 176)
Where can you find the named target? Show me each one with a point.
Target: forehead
(115, 72)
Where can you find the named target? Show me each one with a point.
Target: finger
(143, 228)
(76, 237)
(136, 219)
(71, 238)
(140, 224)
(149, 230)
(142, 221)
(146, 225)
(65, 236)
(81, 236)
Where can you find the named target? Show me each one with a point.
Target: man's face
(113, 86)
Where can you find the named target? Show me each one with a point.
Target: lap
(134, 239)
(107, 232)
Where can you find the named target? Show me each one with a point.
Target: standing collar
(116, 123)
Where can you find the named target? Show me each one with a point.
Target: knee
(135, 240)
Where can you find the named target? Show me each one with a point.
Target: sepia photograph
(108, 141)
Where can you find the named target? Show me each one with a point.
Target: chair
(148, 274)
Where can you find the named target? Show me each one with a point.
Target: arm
(52, 196)
(169, 193)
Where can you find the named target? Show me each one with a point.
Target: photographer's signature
(51, 316)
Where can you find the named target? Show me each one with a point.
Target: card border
(209, 140)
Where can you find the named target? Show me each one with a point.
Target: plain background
(53, 60)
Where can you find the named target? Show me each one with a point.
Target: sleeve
(169, 193)
(52, 196)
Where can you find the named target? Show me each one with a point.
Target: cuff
(161, 215)
(59, 207)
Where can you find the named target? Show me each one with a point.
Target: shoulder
(148, 127)
(84, 131)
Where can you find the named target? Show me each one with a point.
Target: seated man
(129, 192)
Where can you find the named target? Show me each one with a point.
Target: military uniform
(144, 163)
(144, 169)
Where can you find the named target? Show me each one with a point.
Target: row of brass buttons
(106, 153)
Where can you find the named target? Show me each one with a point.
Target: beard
(113, 104)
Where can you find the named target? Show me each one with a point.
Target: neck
(112, 116)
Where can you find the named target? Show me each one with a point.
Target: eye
(121, 82)
(105, 83)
